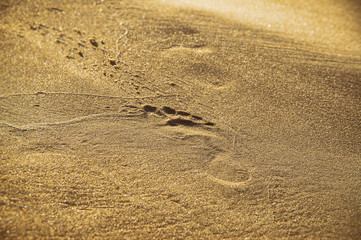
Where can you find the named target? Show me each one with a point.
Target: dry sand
(148, 120)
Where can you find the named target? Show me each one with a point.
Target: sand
(155, 120)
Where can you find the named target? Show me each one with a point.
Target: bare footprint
(152, 137)
(224, 168)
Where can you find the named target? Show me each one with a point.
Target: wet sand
(150, 120)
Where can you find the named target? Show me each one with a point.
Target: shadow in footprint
(180, 121)
(149, 108)
(169, 110)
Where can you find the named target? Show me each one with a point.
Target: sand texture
(155, 120)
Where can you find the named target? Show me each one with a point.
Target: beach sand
(183, 120)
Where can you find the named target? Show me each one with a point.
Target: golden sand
(183, 120)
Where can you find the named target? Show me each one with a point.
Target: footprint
(162, 139)
(224, 169)
(203, 65)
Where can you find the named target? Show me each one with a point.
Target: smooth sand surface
(183, 120)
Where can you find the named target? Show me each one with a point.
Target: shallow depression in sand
(128, 133)
(227, 170)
